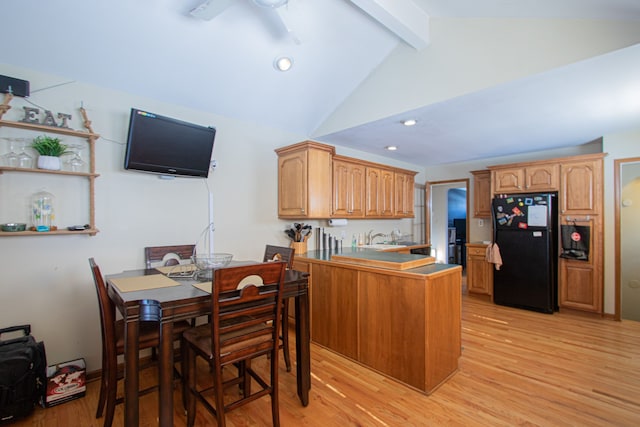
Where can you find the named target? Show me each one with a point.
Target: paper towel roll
(337, 222)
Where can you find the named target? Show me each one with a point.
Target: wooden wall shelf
(91, 175)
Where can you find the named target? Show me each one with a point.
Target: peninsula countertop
(326, 256)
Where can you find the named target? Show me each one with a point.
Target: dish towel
(493, 255)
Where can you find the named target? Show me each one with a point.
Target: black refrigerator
(526, 232)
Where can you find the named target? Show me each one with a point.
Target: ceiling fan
(209, 9)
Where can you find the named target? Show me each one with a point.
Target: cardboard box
(65, 381)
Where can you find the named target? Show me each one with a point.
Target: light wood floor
(517, 368)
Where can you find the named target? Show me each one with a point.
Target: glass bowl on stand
(209, 262)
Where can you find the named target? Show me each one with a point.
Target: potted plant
(50, 149)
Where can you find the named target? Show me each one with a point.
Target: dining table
(153, 295)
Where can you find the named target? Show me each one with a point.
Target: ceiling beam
(402, 17)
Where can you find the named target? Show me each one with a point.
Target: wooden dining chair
(164, 256)
(246, 305)
(161, 256)
(113, 345)
(286, 254)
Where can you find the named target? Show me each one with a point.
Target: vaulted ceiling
(482, 78)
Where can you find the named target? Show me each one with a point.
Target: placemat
(142, 283)
(203, 286)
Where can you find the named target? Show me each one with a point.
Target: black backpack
(23, 374)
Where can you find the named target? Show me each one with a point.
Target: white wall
(46, 281)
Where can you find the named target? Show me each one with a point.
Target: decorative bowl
(209, 262)
(14, 226)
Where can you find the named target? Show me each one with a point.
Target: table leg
(131, 333)
(303, 350)
(165, 374)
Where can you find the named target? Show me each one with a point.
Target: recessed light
(283, 63)
(391, 147)
(409, 122)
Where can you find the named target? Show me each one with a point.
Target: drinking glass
(75, 162)
(24, 159)
(11, 158)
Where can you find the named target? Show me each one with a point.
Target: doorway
(448, 201)
(627, 232)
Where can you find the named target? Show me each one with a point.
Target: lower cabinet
(406, 325)
(479, 271)
(580, 283)
(334, 314)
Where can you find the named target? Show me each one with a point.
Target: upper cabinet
(581, 183)
(404, 194)
(525, 177)
(380, 191)
(541, 178)
(481, 193)
(313, 182)
(348, 188)
(303, 188)
(508, 180)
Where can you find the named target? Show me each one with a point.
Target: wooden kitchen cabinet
(403, 324)
(542, 178)
(334, 313)
(481, 193)
(581, 283)
(581, 184)
(379, 192)
(403, 205)
(579, 289)
(348, 188)
(304, 191)
(315, 183)
(387, 198)
(479, 271)
(508, 180)
(525, 177)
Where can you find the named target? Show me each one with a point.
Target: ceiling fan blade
(286, 14)
(210, 9)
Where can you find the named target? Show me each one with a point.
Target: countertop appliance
(526, 231)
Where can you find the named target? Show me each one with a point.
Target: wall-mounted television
(168, 146)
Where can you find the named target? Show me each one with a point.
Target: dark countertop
(326, 256)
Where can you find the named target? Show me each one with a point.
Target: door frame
(428, 184)
(618, 163)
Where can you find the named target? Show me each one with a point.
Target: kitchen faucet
(369, 240)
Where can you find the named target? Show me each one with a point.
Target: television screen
(167, 146)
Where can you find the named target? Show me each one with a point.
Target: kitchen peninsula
(402, 322)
